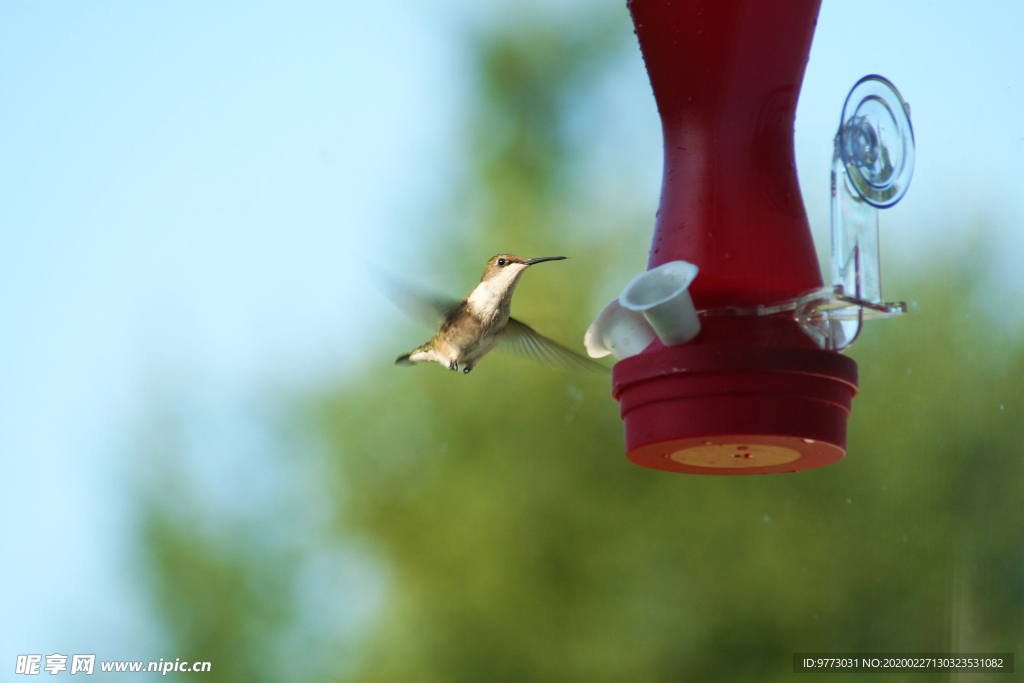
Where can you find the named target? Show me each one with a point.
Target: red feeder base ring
(736, 409)
(737, 454)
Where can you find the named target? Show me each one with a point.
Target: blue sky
(188, 191)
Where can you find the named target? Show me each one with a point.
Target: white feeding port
(618, 331)
(662, 296)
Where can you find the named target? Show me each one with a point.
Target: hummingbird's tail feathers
(426, 353)
(522, 340)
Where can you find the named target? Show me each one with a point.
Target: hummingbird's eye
(501, 262)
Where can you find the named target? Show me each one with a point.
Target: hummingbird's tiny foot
(453, 366)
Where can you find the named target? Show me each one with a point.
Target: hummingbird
(470, 328)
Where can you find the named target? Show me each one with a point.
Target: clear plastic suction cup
(872, 165)
(876, 141)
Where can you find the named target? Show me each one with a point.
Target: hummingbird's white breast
(493, 296)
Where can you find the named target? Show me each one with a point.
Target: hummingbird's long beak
(531, 261)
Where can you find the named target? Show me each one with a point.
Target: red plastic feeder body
(751, 394)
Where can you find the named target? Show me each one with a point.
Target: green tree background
(513, 540)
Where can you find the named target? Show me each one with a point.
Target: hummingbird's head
(508, 267)
(499, 281)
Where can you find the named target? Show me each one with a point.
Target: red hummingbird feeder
(729, 344)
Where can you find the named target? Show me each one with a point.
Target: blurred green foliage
(223, 602)
(518, 544)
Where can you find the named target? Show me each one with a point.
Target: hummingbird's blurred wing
(522, 340)
(416, 302)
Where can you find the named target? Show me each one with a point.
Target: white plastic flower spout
(655, 303)
(618, 331)
(662, 295)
